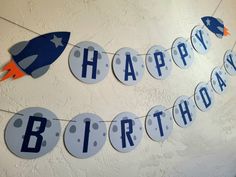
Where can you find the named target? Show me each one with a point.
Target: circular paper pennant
(200, 39)
(158, 62)
(32, 132)
(159, 123)
(230, 62)
(85, 135)
(125, 132)
(204, 96)
(128, 66)
(182, 53)
(88, 62)
(219, 80)
(184, 111)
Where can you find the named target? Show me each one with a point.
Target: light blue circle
(74, 141)
(153, 127)
(177, 112)
(152, 65)
(177, 56)
(119, 67)
(116, 136)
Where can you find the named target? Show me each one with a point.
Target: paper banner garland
(230, 62)
(88, 62)
(200, 39)
(159, 123)
(32, 132)
(219, 80)
(184, 111)
(34, 57)
(85, 135)
(128, 66)
(182, 53)
(158, 62)
(125, 132)
(204, 96)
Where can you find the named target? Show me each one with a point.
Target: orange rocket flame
(12, 71)
(226, 31)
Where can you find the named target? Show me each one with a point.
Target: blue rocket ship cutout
(216, 26)
(34, 57)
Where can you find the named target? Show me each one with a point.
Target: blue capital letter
(200, 38)
(185, 112)
(29, 132)
(230, 60)
(158, 116)
(128, 65)
(93, 63)
(125, 133)
(86, 136)
(220, 82)
(183, 52)
(159, 63)
(205, 96)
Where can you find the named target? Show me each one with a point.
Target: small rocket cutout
(216, 26)
(34, 57)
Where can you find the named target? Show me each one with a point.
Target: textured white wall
(206, 149)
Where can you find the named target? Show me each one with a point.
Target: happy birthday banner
(35, 131)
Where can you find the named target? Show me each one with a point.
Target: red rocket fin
(226, 31)
(12, 71)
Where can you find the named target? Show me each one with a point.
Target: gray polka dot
(118, 61)
(99, 56)
(114, 128)
(149, 122)
(98, 71)
(18, 123)
(44, 143)
(176, 111)
(150, 59)
(175, 52)
(23, 136)
(135, 138)
(142, 66)
(104, 134)
(167, 127)
(38, 114)
(72, 129)
(95, 143)
(90, 48)
(77, 53)
(135, 59)
(136, 73)
(198, 98)
(95, 126)
(166, 67)
(107, 65)
(49, 124)
(57, 134)
(140, 128)
(87, 120)
(127, 53)
(133, 122)
(78, 140)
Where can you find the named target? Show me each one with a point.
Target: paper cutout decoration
(33, 133)
(184, 112)
(158, 62)
(88, 62)
(125, 132)
(200, 39)
(34, 57)
(128, 66)
(216, 26)
(182, 53)
(204, 96)
(219, 80)
(159, 123)
(230, 62)
(85, 135)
